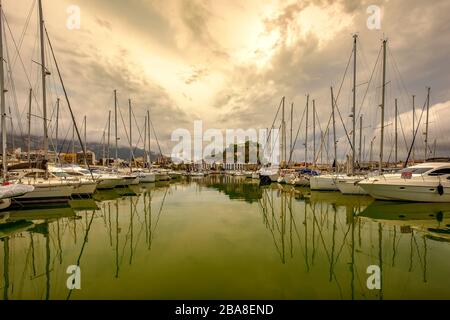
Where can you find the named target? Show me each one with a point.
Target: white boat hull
(147, 177)
(50, 191)
(84, 189)
(104, 184)
(301, 182)
(350, 188)
(323, 183)
(426, 192)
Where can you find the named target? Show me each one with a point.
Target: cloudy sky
(229, 63)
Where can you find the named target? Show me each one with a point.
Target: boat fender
(440, 189)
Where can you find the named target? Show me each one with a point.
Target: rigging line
(82, 247)
(368, 84)
(398, 70)
(160, 210)
(415, 133)
(339, 93)
(24, 30)
(273, 123)
(403, 132)
(140, 139)
(156, 137)
(138, 129)
(20, 58)
(322, 143)
(68, 103)
(12, 84)
(296, 136)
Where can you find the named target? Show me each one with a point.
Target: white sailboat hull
(301, 182)
(104, 184)
(350, 188)
(48, 191)
(323, 183)
(84, 189)
(147, 177)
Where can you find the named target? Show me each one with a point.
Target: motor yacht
(426, 182)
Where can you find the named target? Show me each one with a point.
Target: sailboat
(18, 189)
(146, 177)
(344, 183)
(327, 182)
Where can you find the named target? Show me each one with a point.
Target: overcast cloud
(230, 62)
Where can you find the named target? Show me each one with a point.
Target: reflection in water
(279, 242)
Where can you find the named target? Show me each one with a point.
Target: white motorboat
(426, 182)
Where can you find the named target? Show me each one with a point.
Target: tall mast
(12, 129)
(109, 137)
(396, 132)
(149, 143)
(414, 124)
(73, 143)
(3, 102)
(145, 141)
(57, 127)
(334, 128)
(360, 140)
(44, 88)
(115, 123)
(290, 139)
(306, 131)
(283, 135)
(314, 133)
(383, 101)
(355, 37)
(427, 123)
(29, 126)
(371, 153)
(131, 137)
(85, 134)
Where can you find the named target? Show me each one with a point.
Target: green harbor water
(226, 238)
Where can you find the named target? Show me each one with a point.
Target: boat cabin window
(440, 172)
(415, 170)
(84, 171)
